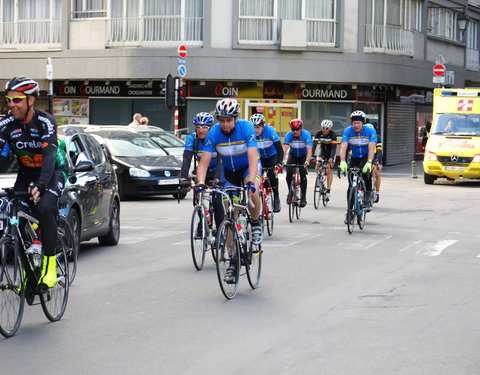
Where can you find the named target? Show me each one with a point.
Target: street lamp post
(50, 84)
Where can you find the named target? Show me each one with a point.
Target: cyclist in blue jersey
(271, 152)
(377, 163)
(235, 142)
(362, 141)
(193, 150)
(300, 143)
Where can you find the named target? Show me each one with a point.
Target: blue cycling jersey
(189, 146)
(232, 150)
(359, 141)
(266, 140)
(298, 146)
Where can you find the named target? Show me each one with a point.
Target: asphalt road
(399, 297)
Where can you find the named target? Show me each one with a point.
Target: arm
(187, 159)
(252, 154)
(285, 149)
(280, 152)
(309, 154)
(343, 150)
(203, 166)
(371, 150)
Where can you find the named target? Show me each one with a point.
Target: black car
(142, 166)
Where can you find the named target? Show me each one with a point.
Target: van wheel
(429, 178)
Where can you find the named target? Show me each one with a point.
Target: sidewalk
(403, 170)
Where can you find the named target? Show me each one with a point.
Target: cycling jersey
(190, 146)
(328, 144)
(232, 150)
(358, 142)
(266, 140)
(298, 146)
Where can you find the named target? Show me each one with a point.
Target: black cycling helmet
(23, 84)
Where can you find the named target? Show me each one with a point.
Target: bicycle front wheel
(291, 202)
(324, 192)
(351, 210)
(198, 241)
(12, 288)
(363, 214)
(298, 197)
(72, 245)
(269, 212)
(253, 262)
(317, 191)
(54, 300)
(228, 254)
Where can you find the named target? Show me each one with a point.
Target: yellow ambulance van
(453, 147)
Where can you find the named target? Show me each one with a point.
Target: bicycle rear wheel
(12, 288)
(71, 245)
(298, 196)
(291, 203)
(363, 214)
(324, 191)
(253, 261)
(228, 253)
(198, 241)
(269, 212)
(54, 300)
(317, 191)
(351, 210)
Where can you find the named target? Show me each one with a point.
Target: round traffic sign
(438, 70)
(182, 51)
(182, 70)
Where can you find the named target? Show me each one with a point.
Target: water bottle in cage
(35, 252)
(209, 217)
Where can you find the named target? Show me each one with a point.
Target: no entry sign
(438, 70)
(182, 51)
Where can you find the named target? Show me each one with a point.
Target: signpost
(181, 72)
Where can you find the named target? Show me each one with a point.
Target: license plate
(454, 168)
(170, 181)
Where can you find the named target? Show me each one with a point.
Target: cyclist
(194, 145)
(32, 136)
(235, 141)
(328, 149)
(271, 152)
(377, 164)
(362, 140)
(300, 143)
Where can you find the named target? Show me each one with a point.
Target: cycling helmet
(203, 118)
(358, 116)
(23, 84)
(327, 124)
(257, 119)
(296, 124)
(228, 108)
(369, 126)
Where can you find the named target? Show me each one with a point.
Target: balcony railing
(388, 39)
(154, 30)
(30, 34)
(472, 60)
(321, 32)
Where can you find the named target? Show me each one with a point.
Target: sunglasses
(296, 130)
(202, 127)
(16, 99)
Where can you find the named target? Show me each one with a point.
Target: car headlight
(137, 172)
(476, 158)
(430, 156)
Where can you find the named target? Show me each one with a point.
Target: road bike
(21, 268)
(202, 227)
(294, 193)
(267, 199)
(234, 244)
(320, 189)
(356, 199)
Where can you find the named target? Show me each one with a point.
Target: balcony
(388, 39)
(472, 60)
(30, 34)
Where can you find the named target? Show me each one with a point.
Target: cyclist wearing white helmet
(328, 149)
(32, 136)
(362, 140)
(236, 144)
(377, 163)
(271, 152)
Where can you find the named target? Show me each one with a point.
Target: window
(472, 34)
(89, 8)
(405, 14)
(442, 22)
(260, 20)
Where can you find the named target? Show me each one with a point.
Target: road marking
(146, 236)
(410, 245)
(435, 249)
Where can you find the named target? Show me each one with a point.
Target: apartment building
(313, 59)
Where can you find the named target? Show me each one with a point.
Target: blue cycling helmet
(203, 118)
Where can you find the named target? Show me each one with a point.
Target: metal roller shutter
(399, 142)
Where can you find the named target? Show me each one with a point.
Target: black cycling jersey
(328, 144)
(378, 150)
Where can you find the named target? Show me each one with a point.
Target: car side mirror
(84, 166)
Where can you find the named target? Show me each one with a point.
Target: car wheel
(74, 220)
(113, 235)
(428, 178)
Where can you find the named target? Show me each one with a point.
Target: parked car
(174, 145)
(142, 166)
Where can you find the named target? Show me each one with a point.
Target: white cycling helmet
(358, 116)
(327, 124)
(228, 108)
(257, 119)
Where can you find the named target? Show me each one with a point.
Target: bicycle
(294, 193)
(20, 268)
(320, 189)
(356, 199)
(234, 243)
(71, 243)
(202, 231)
(266, 197)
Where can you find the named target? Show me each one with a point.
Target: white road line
(435, 249)
(410, 245)
(146, 236)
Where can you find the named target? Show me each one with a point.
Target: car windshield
(167, 140)
(133, 146)
(456, 124)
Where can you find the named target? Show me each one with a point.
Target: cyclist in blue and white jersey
(300, 143)
(271, 152)
(194, 145)
(362, 141)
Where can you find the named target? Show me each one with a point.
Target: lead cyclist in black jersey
(32, 136)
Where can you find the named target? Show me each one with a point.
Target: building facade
(312, 59)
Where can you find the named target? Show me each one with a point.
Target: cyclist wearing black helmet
(32, 136)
